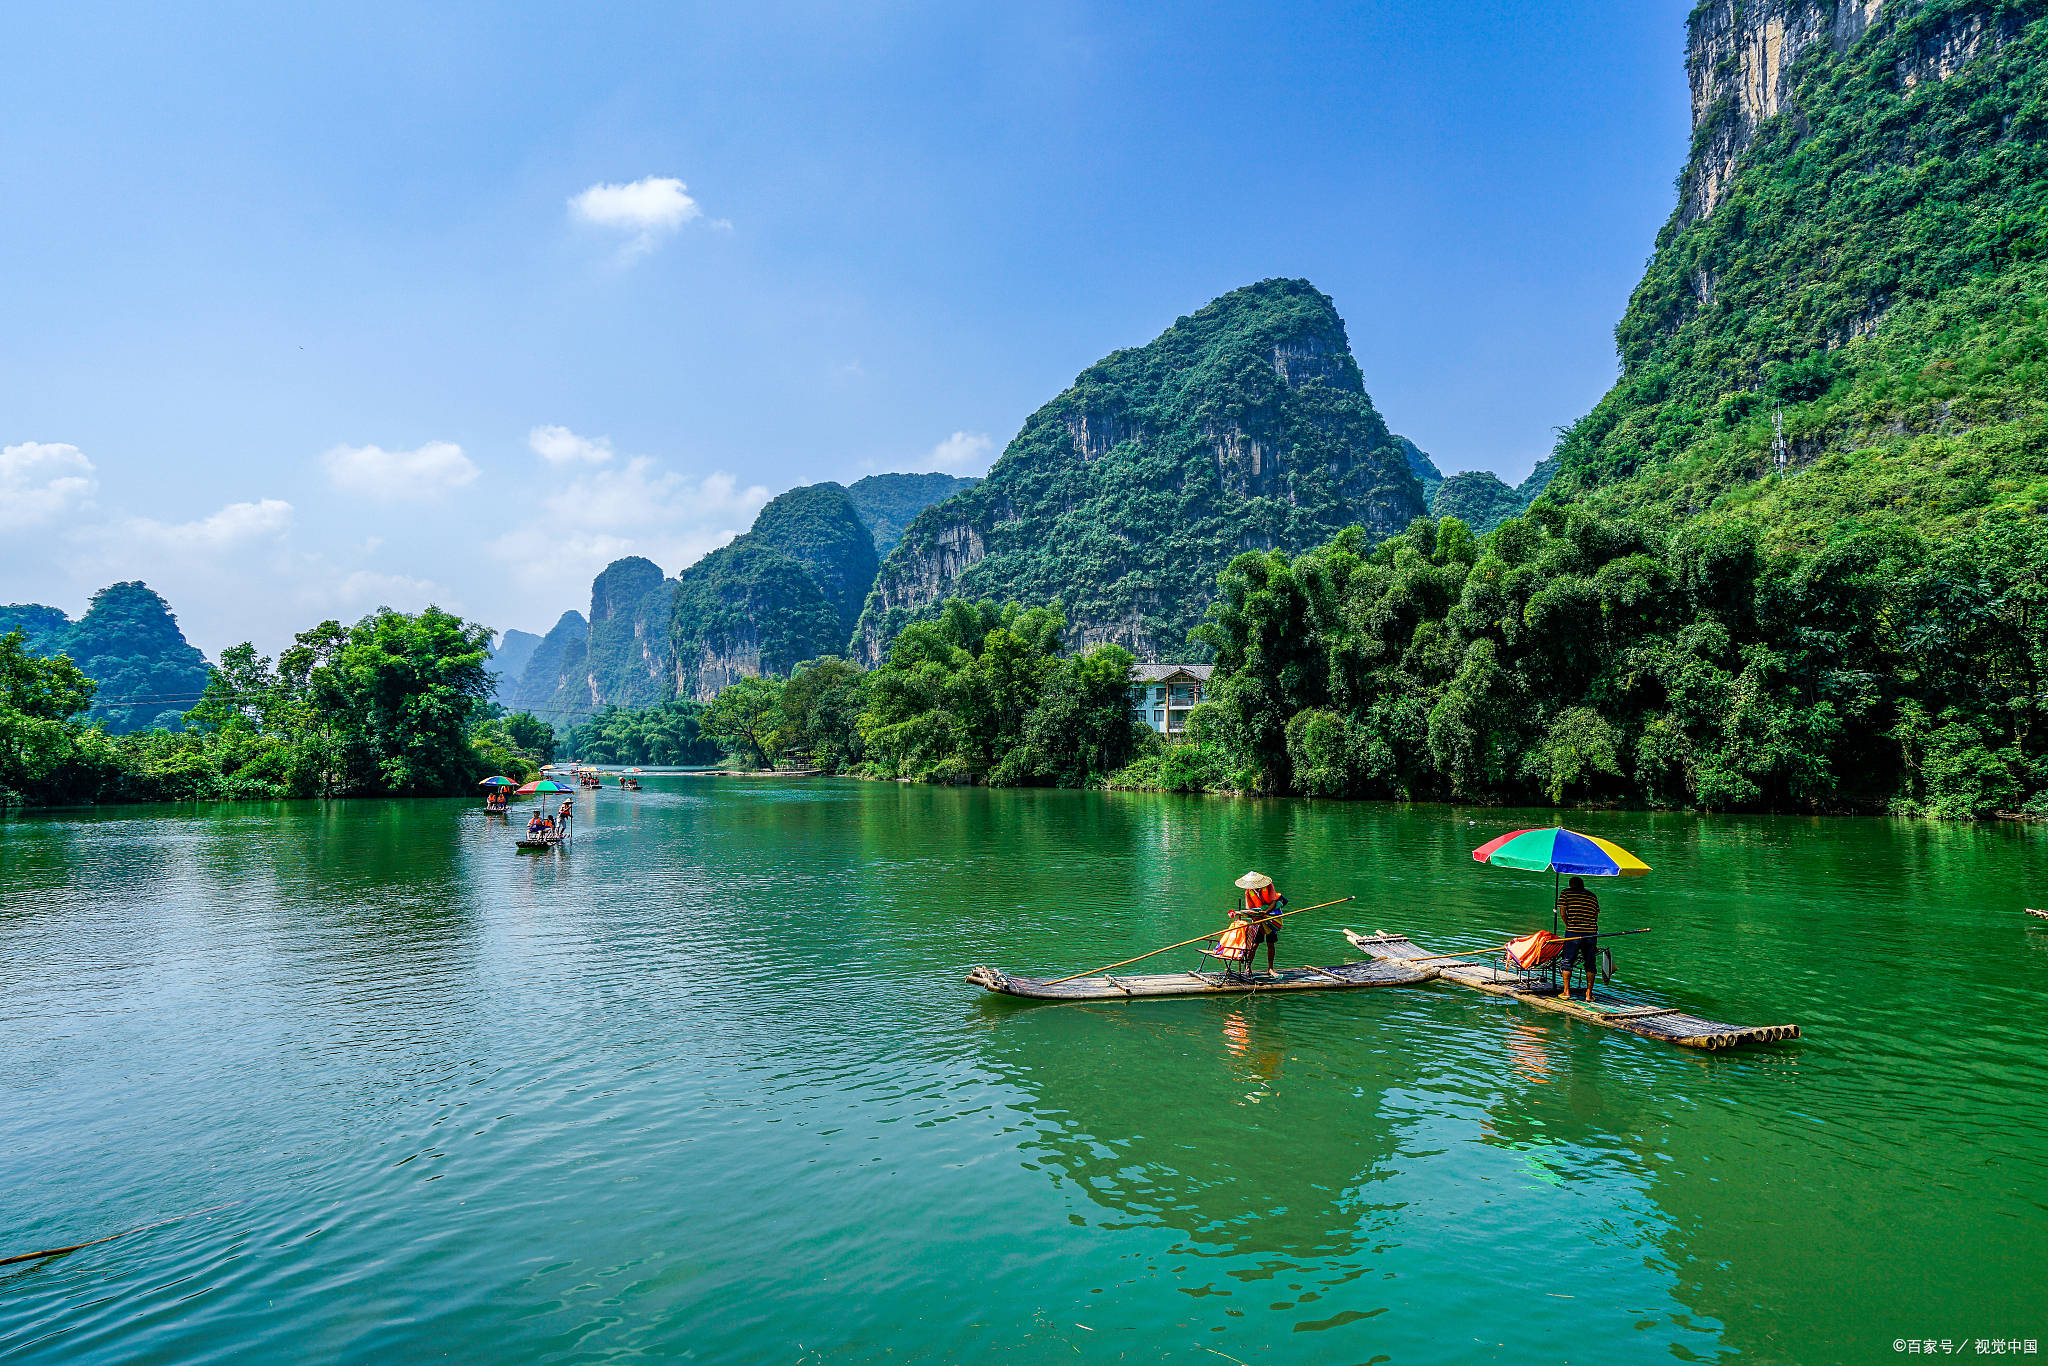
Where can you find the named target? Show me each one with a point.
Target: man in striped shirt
(1580, 910)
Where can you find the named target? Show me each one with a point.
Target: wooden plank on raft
(1666, 1024)
(1101, 987)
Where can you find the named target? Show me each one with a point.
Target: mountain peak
(1243, 426)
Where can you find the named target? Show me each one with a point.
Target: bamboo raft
(2031, 911)
(1342, 977)
(545, 843)
(1667, 1024)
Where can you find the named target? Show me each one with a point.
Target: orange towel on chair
(1533, 950)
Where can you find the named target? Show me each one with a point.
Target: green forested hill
(890, 502)
(558, 655)
(820, 528)
(508, 660)
(1862, 243)
(1477, 498)
(129, 644)
(748, 610)
(788, 590)
(1244, 425)
(45, 627)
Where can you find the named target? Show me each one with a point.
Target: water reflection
(710, 1080)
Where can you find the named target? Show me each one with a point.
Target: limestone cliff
(558, 656)
(1742, 57)
(1244, 426)
(1843, 316)
(627, 660)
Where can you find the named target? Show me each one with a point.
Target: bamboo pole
(1196, 940)
(1562, 939)
(94, 1242)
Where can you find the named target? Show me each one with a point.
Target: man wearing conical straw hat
(1262, 903)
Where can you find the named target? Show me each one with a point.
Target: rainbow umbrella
(1558, 850)
(496, 780)
(545, 785)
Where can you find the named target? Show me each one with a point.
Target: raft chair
(1236, 964)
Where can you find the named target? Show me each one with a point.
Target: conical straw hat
(1251, 882)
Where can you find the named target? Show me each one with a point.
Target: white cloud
(41, 481)
(642, 494)
(428, 471)
(644, 210)
(560, 446)
(961, 453)
(637, 508)
(234, 525)
(366, 588)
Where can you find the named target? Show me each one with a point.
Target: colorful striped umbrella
(1558, 850)
(546, 785)
(496, 780)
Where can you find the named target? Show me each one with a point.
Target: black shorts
(1587, 948)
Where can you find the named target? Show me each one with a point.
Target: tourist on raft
(1580, 910)
(533, 826)
(1258, 917)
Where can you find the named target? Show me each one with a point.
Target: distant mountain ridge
(789, 589)
(1244, 426)
(890, 502)
(1478, 498)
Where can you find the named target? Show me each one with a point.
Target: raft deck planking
(1668, 1024)
(1107, 987)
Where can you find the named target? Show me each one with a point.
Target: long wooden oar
(1196, 940)
(94, 1242)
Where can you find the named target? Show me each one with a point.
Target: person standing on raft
(1259, 914)
(1580, 910)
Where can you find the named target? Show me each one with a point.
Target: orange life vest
(1236, 941)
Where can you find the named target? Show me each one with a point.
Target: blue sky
(314, 308)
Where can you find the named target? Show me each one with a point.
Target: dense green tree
(1269, 660)
(533, 736)
(744, 717)
(820, 714)
(982, 694)
(1578, 656)
(46, 752)
(668, 734)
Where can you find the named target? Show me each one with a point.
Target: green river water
(710, 1087)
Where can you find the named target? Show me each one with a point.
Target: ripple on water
(711, 1082)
